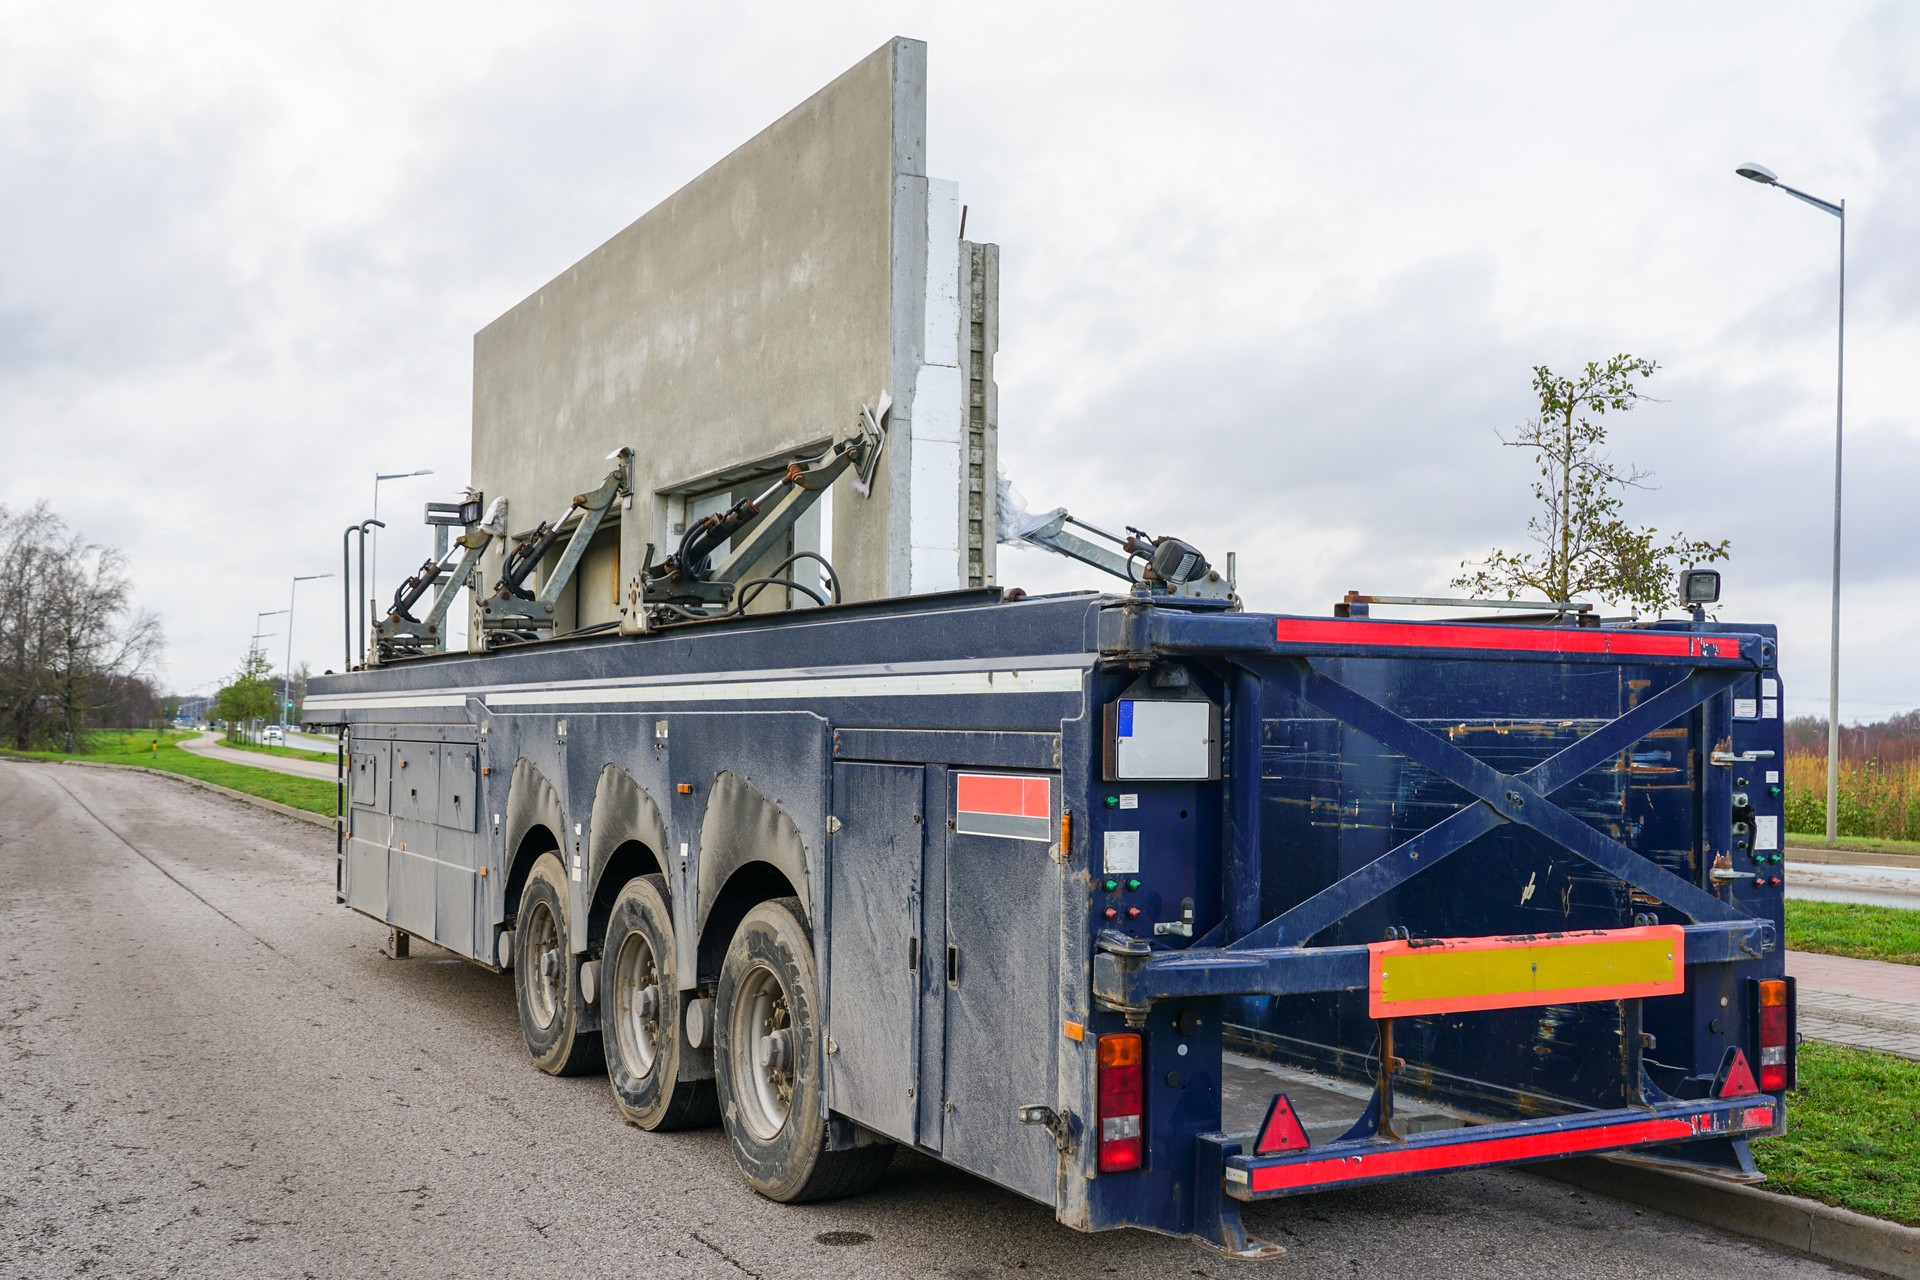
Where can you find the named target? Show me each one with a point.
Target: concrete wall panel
(744, 319)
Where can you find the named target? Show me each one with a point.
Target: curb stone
(259, 802)
(1835, 1235)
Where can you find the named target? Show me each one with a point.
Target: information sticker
(1121, 853)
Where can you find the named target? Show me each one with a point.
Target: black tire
(562, 1033)
(642, 1017)
(768, 981)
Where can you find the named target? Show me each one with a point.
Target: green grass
(285, 753)
(1851, 1139)
(1849, 929)
(162, 751)
(1860, 844)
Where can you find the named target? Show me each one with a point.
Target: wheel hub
(637, 1004)
(546, 986)
(764, 1051)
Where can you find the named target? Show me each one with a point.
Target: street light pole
(1765, 176)
(256, 647)
(391, 475)
(257, 632)
(259, 635)
(286, 672)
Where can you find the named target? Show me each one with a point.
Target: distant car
(275, 734)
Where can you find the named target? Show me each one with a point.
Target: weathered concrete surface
(739, 323)
(210, 1070)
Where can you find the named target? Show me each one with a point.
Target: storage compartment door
(1001, 974)
(873, 961)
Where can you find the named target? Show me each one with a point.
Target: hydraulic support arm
(512, 613)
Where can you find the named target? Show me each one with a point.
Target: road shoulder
(1826, 1232)
(258, 802)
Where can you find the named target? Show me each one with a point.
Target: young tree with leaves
(251, 696)
(1583, 543)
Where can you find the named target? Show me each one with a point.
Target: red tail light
(1123, 1103)
(1775, 1074)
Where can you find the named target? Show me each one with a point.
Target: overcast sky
(1272, 278)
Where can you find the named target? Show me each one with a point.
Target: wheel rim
(546, 981)
(637, 1001)
(763, 1052)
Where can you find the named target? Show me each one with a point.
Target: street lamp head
(1757, 173)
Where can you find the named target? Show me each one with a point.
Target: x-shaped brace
(1499, 798)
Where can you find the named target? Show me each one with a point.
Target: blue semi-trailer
(1013, 882)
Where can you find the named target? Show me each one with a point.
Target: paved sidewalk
(209, 745)
(1864, 1003)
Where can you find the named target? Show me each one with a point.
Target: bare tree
(71, 641)
(23, 623)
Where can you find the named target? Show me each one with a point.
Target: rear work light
(1123, 1102)
(1776, 1053)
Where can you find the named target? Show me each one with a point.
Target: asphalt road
(1872, 886)
(211, 1070)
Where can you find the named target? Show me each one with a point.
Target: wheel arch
(751, 884)
(536, 823)
(627, 836)
(741, 826)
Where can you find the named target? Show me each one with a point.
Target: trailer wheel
(643, 1035)
(768, 1062)
(546, 977)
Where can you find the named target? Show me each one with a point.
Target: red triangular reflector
(1281, 1131)
(1736, 1077)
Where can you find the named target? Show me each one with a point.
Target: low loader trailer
(1015, 882)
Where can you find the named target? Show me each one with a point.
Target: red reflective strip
(1008, 795)
(1461, 1155)
(1454, 635)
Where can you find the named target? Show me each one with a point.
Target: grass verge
(285, 753)
(162, 751)
(1859, 844)
(1850, 1140)
(1850, 929)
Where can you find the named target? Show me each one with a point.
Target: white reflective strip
(356, 702)
(1065, 680)
(930, 684)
